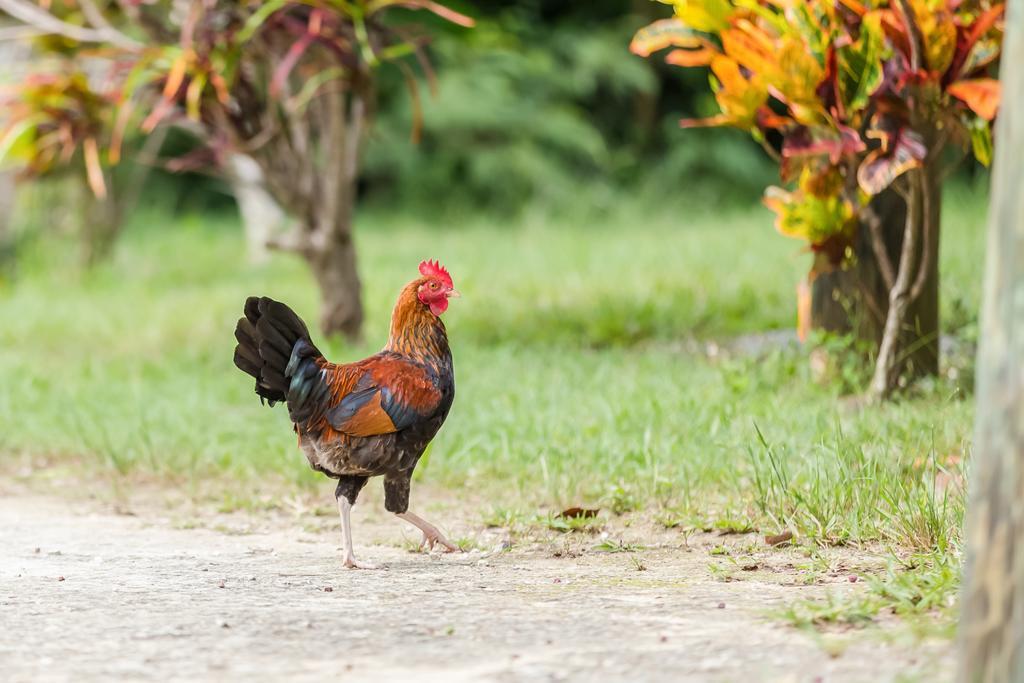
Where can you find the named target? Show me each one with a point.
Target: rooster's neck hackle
(415, 331)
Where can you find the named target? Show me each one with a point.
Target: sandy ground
(87, 594)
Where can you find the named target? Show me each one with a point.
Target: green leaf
(981, 141)
(14, 142)
(804, 216)
(311, 86)
(709, 16)
(861, 64)
(258, 18)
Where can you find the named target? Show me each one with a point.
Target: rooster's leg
(345, 510)
(431, 535)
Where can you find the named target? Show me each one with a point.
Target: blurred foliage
(541, 104)
(852, 95)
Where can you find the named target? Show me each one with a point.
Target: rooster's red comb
(435, 269)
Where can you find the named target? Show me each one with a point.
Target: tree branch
(42, 20)
(21, 32)
(294, 240)
(883, 380)
(927, 230)
(874, 224)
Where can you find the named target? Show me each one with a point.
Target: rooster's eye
(433, 285)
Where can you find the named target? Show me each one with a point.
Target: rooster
(370, 418)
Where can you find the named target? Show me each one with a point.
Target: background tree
(290, 84)
(853, 101)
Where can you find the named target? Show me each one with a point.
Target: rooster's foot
(430, 540)
(431, 536)
(353, 563)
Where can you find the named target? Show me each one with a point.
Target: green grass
(580, 375)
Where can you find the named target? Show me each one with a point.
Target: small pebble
(721, 605)
(664, 639)
(328, 589)
(220, 584)
(60, 578)
(558, 581)
(853, 579)
(38, 550)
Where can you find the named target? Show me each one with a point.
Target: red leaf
(292, 57)
(800, 143)
(982, 95)
(882, 166)
(162, 109)
(967, 41)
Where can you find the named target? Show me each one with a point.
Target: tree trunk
(262, 217)
(311, 169)
(855, 299)
(992, 621)
(341, 302)
(7, 241)
(100, 222)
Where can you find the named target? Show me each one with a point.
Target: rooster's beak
(453, 294)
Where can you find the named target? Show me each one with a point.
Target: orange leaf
(981, 95)
(175, 77)
(699, 57)
(803, 314)
(716, 120)
(661, 34)
(748, 51)
(855, 7)
(117, 136)
(93, 169)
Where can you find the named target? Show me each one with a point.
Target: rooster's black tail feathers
(267, 336)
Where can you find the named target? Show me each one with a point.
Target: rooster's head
(435, 287)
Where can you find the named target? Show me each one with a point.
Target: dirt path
(266, 599)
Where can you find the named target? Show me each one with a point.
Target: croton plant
(103, 68)
(848, 96)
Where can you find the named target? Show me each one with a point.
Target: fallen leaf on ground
(577, 512)
(779, 538)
